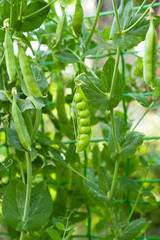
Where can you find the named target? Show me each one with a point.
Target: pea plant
(66, 139)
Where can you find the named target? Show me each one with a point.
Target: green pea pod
(27, 73)
(83, 121)
(61, 29)
(28, 121)
(9, 55)
(78, 18)
(60, 101)
(20, 126)
(150, 56)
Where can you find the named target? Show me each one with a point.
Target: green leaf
(106, 33)
(13, 203)
(3, 96)
(93, 50)
(40, 209)
(40, 79)
(136, 35)
(33, 154)
(54, 234)
(132, 142)
(14, 140)
(155, 105)
(120, 129)
(34, 21)
(107, 74)
(129, 184)
(93, 90)
(70, 227)
(25, 104)
(97, 195)
(66, 57)
(60, 226)
(105, 180)
(140, 98)
(78, 18)
(132, 229)
(125, 7)
(71, 155)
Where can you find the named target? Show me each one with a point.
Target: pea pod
(83, 121)
(20, 125)
(27, 73)
(78, 18)
(9, 53)
(61, 28)
(150, 54)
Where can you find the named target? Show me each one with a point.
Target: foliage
(48, 188)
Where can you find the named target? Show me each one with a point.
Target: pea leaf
(97, 195)
(132, 142)
(40, 79)
(105, 180)
(54, 234)
(3, 96)
(125, 7)
(14, 140)
(60, 226)
(94, 90)
(66, 57)
(40, 208)
(14, 201)
(25, 104)
(140, 98)
(132, 229)
(129, 184)
(36, 19)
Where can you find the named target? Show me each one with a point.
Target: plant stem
(28, 191)
(91, 71)
(114, 179)
(38, 11)
(95, 21)
(21, 9)
(114, 132)
(148, 109)
(116, 15)
(144, 14)
(115, 72)
(140, 8)
(11, 12)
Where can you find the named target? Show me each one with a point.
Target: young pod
(150, 55)
(84, 129)
(27, 73)
(9, 53)
(20, 126)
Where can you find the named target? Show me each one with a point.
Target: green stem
(144, 14)
(91, 71)
(28, 191)
(95, 22)
(37, 118)
(116, 15)
(115, 72)
(5, 90)
(21, 9)
(22, 173)
(11, 12)
(148, 109)
(114, 132)
(38, 11)
(140, 8)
